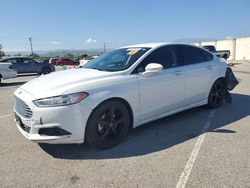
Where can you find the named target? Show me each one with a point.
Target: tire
(108, 125)
(216, 94)
(46, 70)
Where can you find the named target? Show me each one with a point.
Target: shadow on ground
(161, 134)
(3, 84)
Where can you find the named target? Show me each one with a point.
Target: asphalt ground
(196, 148)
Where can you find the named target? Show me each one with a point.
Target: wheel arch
(126, 103)
(222, 79)
(122, 100)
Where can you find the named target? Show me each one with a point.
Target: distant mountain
(58, 53)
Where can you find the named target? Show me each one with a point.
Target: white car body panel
(7, 73)
(162, 94)
(169, 85)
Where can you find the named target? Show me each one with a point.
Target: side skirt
(203, 102)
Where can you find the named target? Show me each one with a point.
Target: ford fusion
(119, 90)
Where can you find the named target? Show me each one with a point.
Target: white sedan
(119, 90)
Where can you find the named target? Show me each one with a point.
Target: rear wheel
(46, 70)
(108, 125)
(216, 95)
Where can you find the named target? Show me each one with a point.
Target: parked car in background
(7, 71)
(221, 53)
(28, 65)
(86, 60)
(53, 60)
(66, 61)
(121, 89)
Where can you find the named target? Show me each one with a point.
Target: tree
(83, 56)
(1, 53)
(34, 55)
(69, 55)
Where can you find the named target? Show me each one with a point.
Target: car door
(198, 66)
(29, 65)
(17, 64)
(161, 92)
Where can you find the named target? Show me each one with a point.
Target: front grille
(23, 109)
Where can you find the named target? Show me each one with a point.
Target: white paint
(8, 115)
(6, 72)
(188, 168)
(181, 87)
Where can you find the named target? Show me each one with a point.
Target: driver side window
(166, 56)
(27, 61)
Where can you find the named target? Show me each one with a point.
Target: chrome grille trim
(22, 108)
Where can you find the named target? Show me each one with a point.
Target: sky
(86, 24)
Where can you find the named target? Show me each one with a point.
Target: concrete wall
(242, 49)
(239, 47)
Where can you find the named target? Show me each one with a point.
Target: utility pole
(30, 39)
(104, 47)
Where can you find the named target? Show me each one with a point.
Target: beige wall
(242, 49)
(239, 47)
(208, 43)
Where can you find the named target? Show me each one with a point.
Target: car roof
(154, 45)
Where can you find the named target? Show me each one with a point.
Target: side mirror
(152, 68)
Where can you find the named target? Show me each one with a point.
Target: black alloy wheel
(46, 70)
(108, 125)
(216, 95)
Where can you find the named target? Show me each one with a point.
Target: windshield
(116, 60)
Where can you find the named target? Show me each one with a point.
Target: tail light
(11, 67)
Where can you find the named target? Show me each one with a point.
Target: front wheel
(216, 95)
(108, 125)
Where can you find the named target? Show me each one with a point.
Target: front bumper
(71, 119)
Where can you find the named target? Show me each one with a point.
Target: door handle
(209, 67)
(177, 73)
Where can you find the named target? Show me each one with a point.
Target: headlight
(61, 100)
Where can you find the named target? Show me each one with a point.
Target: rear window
(207, 55)
(192, 55)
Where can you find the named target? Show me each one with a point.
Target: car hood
(57, 83)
